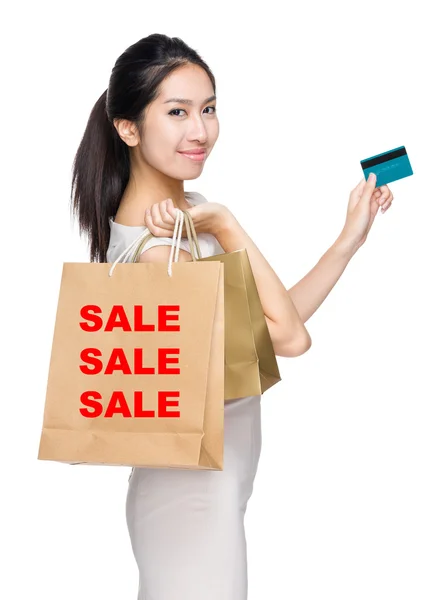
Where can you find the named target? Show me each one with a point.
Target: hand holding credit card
(388, 166)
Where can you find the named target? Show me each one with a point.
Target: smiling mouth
(198, 157)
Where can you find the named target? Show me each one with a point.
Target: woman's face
(171, 126)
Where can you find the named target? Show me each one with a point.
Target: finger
(166, 218)
(153, 220)
(170, 207)
(374, 207)
(387, 203)
(374, 202)
(385, 193)
(375, 198)
(148, 220)
(385, 198)
(362, 184)
(385, 207)
(368, 189)
(356, 194)
(156, 215)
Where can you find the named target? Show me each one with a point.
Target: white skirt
(187, 527)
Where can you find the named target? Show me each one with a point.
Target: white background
(344, 504)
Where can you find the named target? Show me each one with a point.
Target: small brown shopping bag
(136, 372)
(250, 361)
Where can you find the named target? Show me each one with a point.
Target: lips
(193, 151)
(198, 156)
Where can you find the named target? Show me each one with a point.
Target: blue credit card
(388, 166)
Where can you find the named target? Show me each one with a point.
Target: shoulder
(195, 198)
(120, 237)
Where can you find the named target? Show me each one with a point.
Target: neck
(148, 186)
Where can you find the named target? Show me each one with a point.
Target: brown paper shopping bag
(250, 362)
(136, 372)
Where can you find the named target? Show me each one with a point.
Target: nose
(198, 130)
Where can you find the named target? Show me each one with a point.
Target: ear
(127, 131)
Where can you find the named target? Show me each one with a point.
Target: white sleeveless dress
(187, 527)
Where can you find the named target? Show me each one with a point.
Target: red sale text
(93, 364)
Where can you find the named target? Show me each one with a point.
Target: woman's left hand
(208, 217)
(364, 202)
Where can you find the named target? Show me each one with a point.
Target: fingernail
(372, 177)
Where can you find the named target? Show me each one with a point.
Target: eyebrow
(190, 102)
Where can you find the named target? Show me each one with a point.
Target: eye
(181, 109)
(175, 110)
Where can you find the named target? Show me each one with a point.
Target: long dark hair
(101, 166)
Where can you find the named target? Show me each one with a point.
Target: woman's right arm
(287, 330)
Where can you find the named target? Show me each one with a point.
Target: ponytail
(100, 175)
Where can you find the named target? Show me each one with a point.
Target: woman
(187, 527)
